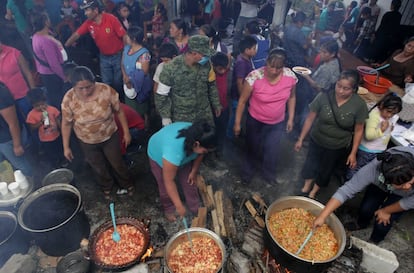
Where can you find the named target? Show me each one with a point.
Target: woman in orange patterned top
(89, 109)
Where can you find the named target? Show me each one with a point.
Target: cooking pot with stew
(205, 252)
(110, 255)
(287, 256)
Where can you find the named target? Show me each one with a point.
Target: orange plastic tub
(380, 88)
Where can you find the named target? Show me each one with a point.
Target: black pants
(374, 199)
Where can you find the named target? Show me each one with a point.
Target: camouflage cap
(201, 44)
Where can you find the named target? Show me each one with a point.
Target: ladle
(188, 233)
(379, 68)
(115, 235)
(304, 242)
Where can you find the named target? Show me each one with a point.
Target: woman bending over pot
(388, 180)
(175, 153)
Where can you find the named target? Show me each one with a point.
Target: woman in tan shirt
(89, 109)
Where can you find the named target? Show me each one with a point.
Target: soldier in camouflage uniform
(187, 89)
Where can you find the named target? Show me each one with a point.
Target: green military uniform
(193, 94)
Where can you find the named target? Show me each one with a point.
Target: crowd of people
(205, 96)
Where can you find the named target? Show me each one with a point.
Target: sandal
(128, 191)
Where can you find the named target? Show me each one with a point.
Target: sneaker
(121, 191)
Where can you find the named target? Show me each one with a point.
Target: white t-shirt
(248, 10)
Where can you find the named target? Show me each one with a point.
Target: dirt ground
(223, 174)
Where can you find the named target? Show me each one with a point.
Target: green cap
(201, 44)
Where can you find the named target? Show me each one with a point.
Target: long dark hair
(391, 101)
(200, 131)
(38, 20)
(396, 166)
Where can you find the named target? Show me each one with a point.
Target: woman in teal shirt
(176, 152)
(19, 10)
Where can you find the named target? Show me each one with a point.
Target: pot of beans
(110, 255)
(289, 220)
(196, 250)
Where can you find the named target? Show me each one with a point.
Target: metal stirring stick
(188, 233)
(305, 242)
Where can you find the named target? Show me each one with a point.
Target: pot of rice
(288, 222)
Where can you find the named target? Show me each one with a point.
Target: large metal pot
(107, 225)
(12, 239)
(53, 215)
(291, 260)
(182, 236)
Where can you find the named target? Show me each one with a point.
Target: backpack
(142, 83)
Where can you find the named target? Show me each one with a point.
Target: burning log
(254, 213)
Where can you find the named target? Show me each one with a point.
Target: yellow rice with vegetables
(290, 228)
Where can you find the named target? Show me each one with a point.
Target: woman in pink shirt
(16, 75)
(268, 89)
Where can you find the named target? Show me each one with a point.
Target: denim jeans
(374, 199)
(232, 118)
(110, 66)
(363, 158)
(18, 162)
(262, 141)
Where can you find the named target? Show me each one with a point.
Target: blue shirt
(164, 144)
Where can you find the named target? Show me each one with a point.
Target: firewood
(202, 217)
(205, 197)
(263, 207)
(216, 225)
(228, 218)
(194, 222)
(218, 199)
(254, 213)
(211, 196)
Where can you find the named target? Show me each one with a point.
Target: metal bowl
(182, 236)
(315, 208)
(61, 175)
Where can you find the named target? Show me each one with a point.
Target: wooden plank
(202, 189)
(218, 199)
(194, 223)
(216, 226)
(259, 220)
(228, 217)
(263, 206)
(202, 217)
(211, 196)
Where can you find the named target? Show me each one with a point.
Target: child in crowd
(46, 119)
(166, 53)
(263, 44)
(378, 127)
(70, 19)
(242, 67)
(136, 125)
(158, 21)
(122, 13)
(365, 34)
(220, 62)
